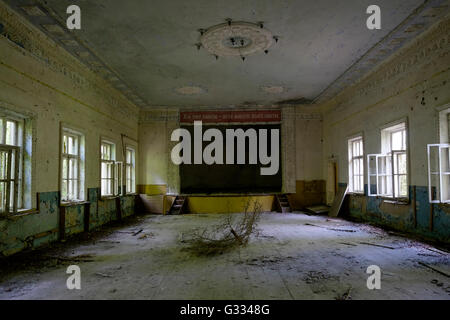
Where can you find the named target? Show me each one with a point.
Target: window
(439, 173)
(130, 160)
(387, 171)
(11, 141)
(111, 170)
(356, 165)
(439, 163)
(72, 166)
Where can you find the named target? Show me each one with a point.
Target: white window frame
(77, 158)
(114, 180)
(12, 199)
(439, 192)
(386, 169)
(9, 200)
(352, 160)
(130, 170)
(442, 172)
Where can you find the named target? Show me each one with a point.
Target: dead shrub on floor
(233, 231)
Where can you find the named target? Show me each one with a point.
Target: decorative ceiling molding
(36, 44)
(415, 24)
(46, 20)
(236, 39)
(433, 46)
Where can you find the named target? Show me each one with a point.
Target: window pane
(109, 170)
(10, 133)
(73, 169)
(11, 195)
(445, 160)
(106, 151)
(2, 196)
(75, 190)
(64, 189)
(3, 162)
(104, 170)
(403, 192)
(64, 168)
(1, 132)
(404, 139)
(70, 189)
(397, 140)
(71, 175)
(65, 144)
(402, 163)
(13, 164)
(74, 146)
(69, 144)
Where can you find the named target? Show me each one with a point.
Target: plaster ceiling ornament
(190, 90)
(236, 39)
(273, 89)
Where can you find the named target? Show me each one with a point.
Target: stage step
(283, 204)
(178, 206)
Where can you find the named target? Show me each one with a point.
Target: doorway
(332, 181)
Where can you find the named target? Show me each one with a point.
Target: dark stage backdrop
(227, 178)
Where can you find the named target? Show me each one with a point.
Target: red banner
(231, 116)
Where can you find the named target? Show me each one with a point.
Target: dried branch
(235, 230)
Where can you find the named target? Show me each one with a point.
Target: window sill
(73, 203)
(20, 213)
(354, 193)
(103, 198)
(400, 201)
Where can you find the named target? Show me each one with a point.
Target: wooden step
(283, 203)
(178, 205)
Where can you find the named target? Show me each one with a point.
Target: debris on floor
(234, 230)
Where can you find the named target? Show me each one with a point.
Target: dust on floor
(293, 256)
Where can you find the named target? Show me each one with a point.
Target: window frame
(441, 198)
(13, 151)
(8, 180)
(132, 166)
(114, 180)
(351, 165)
(79, 158)
(391, 175)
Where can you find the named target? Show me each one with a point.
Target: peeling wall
(412, 85)
(309, 184)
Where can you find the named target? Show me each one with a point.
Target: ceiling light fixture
(190, 90)
(236, 39)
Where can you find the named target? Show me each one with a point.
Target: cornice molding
(432, 45)
(32, 42)
(425, 16)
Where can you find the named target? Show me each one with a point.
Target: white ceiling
(151, 46)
